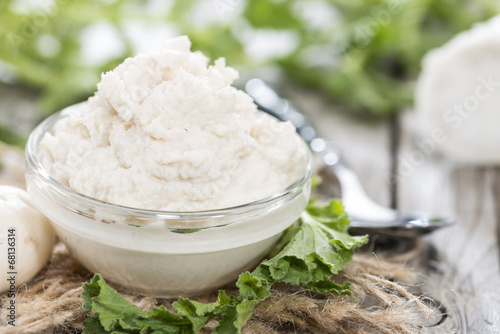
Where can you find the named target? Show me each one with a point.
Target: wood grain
(460, 264)
(465, 273)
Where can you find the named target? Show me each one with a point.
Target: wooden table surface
(460, 263)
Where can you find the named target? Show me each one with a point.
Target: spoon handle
(269, 101)
(357, 204)
(362, 210)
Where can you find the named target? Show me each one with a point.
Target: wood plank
(465, 273)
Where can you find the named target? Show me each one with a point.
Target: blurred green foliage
(366, 54)
(10, 137)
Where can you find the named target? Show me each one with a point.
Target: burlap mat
(52, 302)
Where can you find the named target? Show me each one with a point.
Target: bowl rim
(33, 165)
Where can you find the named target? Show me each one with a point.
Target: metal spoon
(365, 214)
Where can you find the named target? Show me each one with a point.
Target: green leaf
(330, 287)
(227, 324)
(198, 313)
(236, 316)
(319, 249)
(114, 310)
(253, 286)
(93, 325)
(303, 260)
(161, 320)
(331, 215)
(116, 314)
(91, 290)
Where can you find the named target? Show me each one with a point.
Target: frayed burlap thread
(52, 302)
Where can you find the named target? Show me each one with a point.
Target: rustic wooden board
(464, 268)
(460, 263)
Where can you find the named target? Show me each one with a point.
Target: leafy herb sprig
(364, 53)
(310, 254)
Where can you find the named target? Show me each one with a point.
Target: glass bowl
(160, 253)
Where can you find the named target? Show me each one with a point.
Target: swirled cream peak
(167, 131)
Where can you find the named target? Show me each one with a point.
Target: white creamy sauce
(166, 131)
